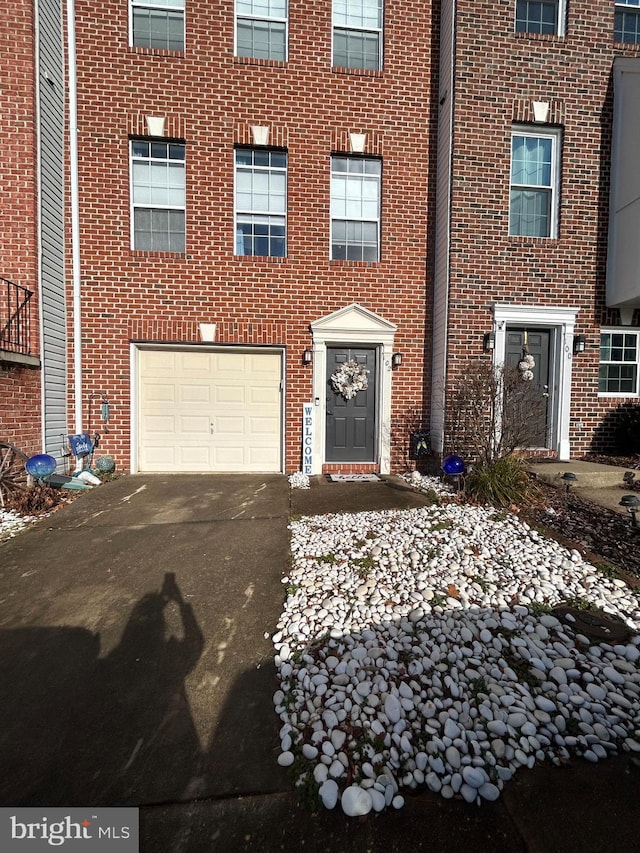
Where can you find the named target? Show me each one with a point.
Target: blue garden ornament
(41, 466)
(453, 466)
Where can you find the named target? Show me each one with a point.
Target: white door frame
(353, 326)
(561, 321)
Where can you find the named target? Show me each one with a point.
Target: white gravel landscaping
(417, 649)
(11, 523)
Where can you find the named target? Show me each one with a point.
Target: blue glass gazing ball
(453, 465)
(41, 466)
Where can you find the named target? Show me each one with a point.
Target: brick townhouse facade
(271, 193)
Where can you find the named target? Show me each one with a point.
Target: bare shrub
(492, 412)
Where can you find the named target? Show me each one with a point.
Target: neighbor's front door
(535, 342)
(351, 423)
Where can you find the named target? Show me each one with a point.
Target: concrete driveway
(133, 656)
(134, 670)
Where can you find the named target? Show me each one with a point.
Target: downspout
(75, 215)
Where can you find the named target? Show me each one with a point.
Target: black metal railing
(15, 317)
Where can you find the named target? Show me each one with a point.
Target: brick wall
(19, 386)
(499, 75)
(211, 99)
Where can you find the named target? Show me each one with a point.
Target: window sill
(157, 51)
(531, 241)
(358, 72)
(616, 395)
(272, 259)
(340, 262)
(540, 37)
(155, 254)
(626, 45)
(252, 60)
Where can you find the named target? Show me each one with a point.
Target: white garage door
(209, 411)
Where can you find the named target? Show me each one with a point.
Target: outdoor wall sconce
(489, 342)
(569, 479)
(307, 356)
(396, 359)
(632, 503)
(579, 344)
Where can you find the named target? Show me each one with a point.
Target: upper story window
(357, 33)
(261, 29)
(627, 21)
(158, 195)
(619, 357)
(534, 184)
(261, 202)
(355, 208)
(540, 16)
(158, 24)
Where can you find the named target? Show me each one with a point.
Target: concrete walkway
(136, 668)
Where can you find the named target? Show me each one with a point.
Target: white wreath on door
(349, 378)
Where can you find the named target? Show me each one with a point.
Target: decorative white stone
(356, 801)
(329, 793)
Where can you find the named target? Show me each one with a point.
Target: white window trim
(622, 395)
(149, 4)
(556, 138)
(625, 7)
(284, 214)
(379, 30)
(377, 220)
(270, 19)
(133, 206)
(562, 20)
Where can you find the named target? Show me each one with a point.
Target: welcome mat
(353, 478)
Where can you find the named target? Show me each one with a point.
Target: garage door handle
(211, 428)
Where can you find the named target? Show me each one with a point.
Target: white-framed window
(158, 24)
(535, 179)
(545, 17)
(626, 27)
(158, 196)
(261, 202)
(355, 208)
(619, 361)
(357, 34)
(261, 29)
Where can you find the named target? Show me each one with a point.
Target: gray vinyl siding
(443, 204)
(51, 83)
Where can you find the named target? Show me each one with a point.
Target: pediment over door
(353, 323)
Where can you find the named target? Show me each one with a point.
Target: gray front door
(351, 422)
(535, 342)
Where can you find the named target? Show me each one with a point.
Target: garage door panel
(163, 425)
(215, 411)
(156, 392)
(190, 426)
(230, 395)
(229, 426)
(195, 393)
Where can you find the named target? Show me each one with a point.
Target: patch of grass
(523, 672)
(438, 600)
(607, 570)
(481, 582)
(478, 686)
(538, 607)
(329, 559)
(580, 603)
(363, 565)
